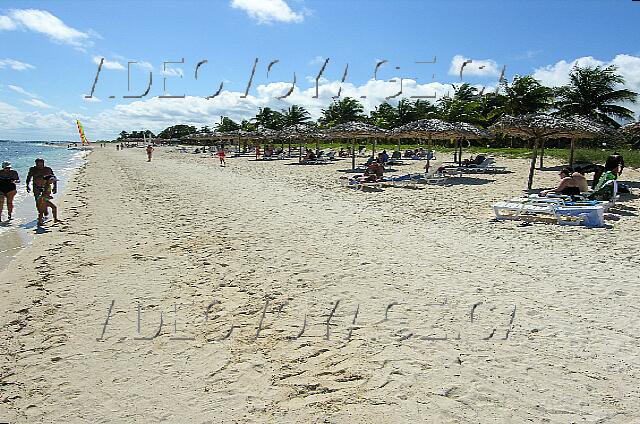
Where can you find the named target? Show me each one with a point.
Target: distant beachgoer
(309, 156)
(567, 186)
(43, 201)
(149, 152)
(37, 173)
(374, 171)
(8, 179)
(257, 152)
(221, 156)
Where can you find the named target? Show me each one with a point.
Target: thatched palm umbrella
(267, 134)
(299, 133)
(355, 130)
(439, 130)
(469, 132)
(541, 126)
(632, 131)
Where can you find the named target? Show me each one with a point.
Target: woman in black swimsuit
(8, 180)
(568, 186)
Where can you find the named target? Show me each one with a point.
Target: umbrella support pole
(455, 151)
(533, 163)
(573, 147)
(353, 153)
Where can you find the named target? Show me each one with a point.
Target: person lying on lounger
(567, 186)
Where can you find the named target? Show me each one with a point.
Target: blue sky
(49, 51)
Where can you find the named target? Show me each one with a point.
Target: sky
(384, 50)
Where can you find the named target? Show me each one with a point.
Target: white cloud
(477, 68)
(21, 90)
(92, 99)
(318, 60)
(268, 11)
(6, 24)
(156, 113)
(557, 74)
(16, 65)
(107, 64)
(37, 103)
(22, 125)
(173, 72)
(45, 23)
(145, 66)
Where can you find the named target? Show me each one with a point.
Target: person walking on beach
(37, 173)
(8, 179)
(44, 200)
(221, 156)
(149, 152)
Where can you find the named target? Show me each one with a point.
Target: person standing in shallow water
(37, 173)
(149, 152)
(8, 179)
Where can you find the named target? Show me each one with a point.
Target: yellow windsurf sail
(83, 138)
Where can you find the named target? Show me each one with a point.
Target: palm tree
(227, 124)
(465, 92)
(295, 115)
(247, 125)
(424, 109)
(268, 118)
(342, 111)
(527, 95)
(593, 92)
(384, 116)
(406, 112)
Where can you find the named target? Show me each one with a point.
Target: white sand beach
(436, 313)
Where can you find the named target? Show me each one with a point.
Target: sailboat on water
(83, 138)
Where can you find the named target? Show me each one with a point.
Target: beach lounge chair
(414, 180)
(487, 166)
(525, 209)
(353, 183)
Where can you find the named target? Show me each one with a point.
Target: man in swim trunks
(38, 173)
(8, 179)
(149, 152)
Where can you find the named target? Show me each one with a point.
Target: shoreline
(17, 238)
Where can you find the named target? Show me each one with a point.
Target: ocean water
(22, 154)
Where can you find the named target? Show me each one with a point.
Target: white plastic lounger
(413, 180)
(549, 211)
(356, 185)
(486, 167)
